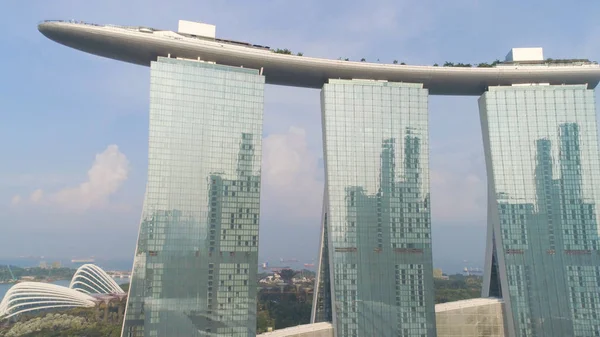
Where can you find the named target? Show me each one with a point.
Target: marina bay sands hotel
(196, 258)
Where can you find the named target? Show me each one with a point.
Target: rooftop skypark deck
(141, 45)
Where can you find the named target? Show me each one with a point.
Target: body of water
(106, 264)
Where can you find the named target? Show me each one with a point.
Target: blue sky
(74, 127)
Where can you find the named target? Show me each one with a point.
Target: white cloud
(457, 198)
(292, 183)
(15, 200)
(107, 174)
(21, 180)
(458, 188)
(37, 195)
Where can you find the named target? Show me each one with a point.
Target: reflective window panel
(543, 165)
(378, 217)
(196, 259)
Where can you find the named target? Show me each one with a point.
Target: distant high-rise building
(197, 254)
(376, 267)
(543, 165)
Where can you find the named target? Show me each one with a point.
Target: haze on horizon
(75, 130)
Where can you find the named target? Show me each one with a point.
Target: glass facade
(322, 310)
(543, 167)
(196, 260)
(377, 208)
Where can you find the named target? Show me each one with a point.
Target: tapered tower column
(196, 259)
(377, 229)
(543, 167)
(322, 310)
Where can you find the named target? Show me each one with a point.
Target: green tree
(457, 288)
(283, 51)
(287, 275)
(125, 287)
(395, 62)
(363, 60)
(264, 321)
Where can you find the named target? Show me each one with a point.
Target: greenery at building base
(125, 287)
(100, 321)
(280, 305)
(68, 323)
(279, 309)
(288, 306)
(456, 288)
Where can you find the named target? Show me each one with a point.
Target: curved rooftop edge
(140, 45)
(91, 279)
(33, 296)
(90, 285)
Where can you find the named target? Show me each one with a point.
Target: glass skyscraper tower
(195, 265)
(375, 273)
(196, 259)
(543, 164)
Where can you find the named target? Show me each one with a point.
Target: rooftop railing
(543, 63)
(79, 22)
(550, 63)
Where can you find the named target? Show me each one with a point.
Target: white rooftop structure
(466, 318)
(470, 318)
(197, 29)
(474, 302)
(525, 54)
(324, 329)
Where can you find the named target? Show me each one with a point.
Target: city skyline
(120, 188)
